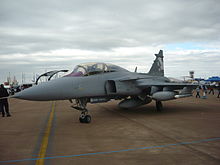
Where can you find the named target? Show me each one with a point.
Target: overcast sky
(38, 35)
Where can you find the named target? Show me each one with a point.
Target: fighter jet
(102, 82)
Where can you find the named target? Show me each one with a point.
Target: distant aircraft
(101, 82)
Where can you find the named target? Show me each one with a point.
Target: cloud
(57, 34)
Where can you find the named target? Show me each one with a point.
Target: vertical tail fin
(157, 68)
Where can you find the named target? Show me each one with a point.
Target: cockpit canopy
(88, 69)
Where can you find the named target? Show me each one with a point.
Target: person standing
(4, 107)
(211, 90)
(197, 92)
(218, 91)
(204, 89)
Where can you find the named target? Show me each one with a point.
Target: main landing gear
(80, 105)
(159, 106)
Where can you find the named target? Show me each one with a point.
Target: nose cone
(58, 89)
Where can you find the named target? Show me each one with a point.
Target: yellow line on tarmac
(45, 140)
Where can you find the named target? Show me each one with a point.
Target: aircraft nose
(58, 89)
(35, 93)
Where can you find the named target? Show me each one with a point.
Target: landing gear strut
(80, 105)
(159, 106)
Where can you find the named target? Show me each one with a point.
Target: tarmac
(186, 132)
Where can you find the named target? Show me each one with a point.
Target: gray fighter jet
(102, 82)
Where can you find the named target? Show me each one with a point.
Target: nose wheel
(85, 118)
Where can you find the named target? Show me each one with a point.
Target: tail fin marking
(157, 68)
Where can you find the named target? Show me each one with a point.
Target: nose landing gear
(80, 105)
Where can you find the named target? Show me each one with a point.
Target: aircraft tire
(81, 120)
(159, 106)
(87, 119)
